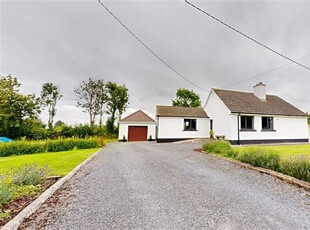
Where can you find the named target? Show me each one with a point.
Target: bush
(6, 193)
(296, 166)
(260, 157)
(29, 147)
(21, 147)
(222, 147)
(60, 145)
(88, 143)
(29, 174)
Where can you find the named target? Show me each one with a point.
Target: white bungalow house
(181, 123)
(246, 118)
(138, 126)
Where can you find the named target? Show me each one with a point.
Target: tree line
(19, 113)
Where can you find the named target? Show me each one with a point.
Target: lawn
(283, 150)
(60, 163)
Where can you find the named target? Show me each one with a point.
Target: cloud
(65, 42)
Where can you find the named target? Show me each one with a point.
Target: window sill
(268, 130)
(247, 130)
(188, 130)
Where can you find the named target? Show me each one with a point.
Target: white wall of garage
(123, 129)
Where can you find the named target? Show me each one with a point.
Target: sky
(67, 41)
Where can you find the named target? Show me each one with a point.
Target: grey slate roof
(138, 116)
(176, 111)
(248, 103)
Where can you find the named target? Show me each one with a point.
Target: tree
(118, 101)
(102, 100)
(91, 97)
(186, 98)
(15, 107)
(50, 95)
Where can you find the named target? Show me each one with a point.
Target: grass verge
(60, 163)
(293, 160)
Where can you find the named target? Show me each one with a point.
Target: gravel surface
(168, 186)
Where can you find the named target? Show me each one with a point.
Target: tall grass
(261, 158)
(297, 166)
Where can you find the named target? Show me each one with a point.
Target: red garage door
(137, 133)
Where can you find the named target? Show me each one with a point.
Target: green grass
(60, 163)
(283, 150)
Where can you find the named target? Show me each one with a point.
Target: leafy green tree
(91, 96)
(118, 101)
(186, 98)
(15, 107)
(50, 95)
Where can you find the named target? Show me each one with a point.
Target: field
(283, 150)
(60, 163)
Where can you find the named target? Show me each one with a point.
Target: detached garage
(137, 127)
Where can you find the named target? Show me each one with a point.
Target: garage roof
(176, 111)
(138, 116)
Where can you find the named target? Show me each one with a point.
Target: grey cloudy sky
(65, 42)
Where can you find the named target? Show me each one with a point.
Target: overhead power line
(263, 73)
(246, 36)
(151, 51)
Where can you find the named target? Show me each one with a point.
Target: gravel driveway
(168, 186)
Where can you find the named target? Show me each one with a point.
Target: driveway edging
(281, 176)
(34, 206)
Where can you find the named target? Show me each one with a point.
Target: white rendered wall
(173, 127)
(220, 114)
(123, 129)
(285, 128)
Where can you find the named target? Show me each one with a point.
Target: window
(267, 123)
(247, 123)
(190, 124)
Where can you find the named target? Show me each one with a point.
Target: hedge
(30, 147)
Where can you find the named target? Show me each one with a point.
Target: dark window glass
(190, 124)
(267, 123)
(247, 122)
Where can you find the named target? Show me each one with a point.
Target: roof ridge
(238, 91)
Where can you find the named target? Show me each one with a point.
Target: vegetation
(297, 166)
(186, 98)
(59, 163)
(260, 157)
(29, 174)
(30, 147)
(293, 160)
(15, 108)
(118, 100)
(221, 147)
(50, 95)
(19, 113)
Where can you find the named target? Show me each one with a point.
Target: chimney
(260, 91)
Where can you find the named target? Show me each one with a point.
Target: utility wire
(246, 36)
(149, 49)
(266, 72)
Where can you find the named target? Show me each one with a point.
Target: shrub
(29, 174)
(260, 157)
(222, 147)
(60, 145)
(29, 147)
(21, 147)
(26, 190)
(296, 166)
(6, 193)
(88, 143)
